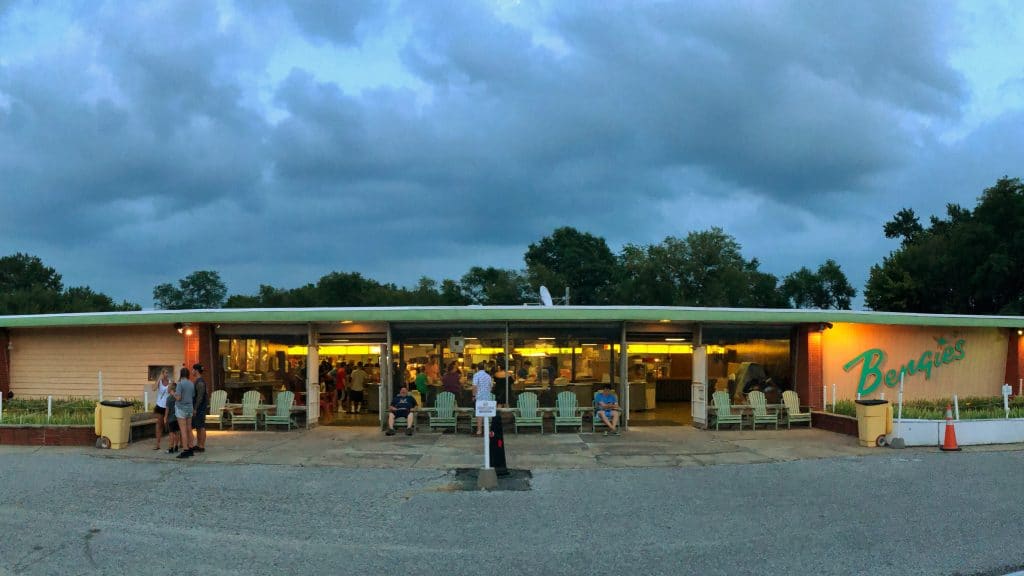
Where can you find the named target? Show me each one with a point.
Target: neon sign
(873, 361)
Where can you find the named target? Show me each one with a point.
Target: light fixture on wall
(185, 328)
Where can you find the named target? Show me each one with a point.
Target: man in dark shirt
(401, 407)
(202, 406)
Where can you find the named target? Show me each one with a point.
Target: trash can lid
(871, 402)
(116, 403)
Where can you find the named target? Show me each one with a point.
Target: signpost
(487, 478)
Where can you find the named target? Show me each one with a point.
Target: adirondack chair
(217, 401)
(282, 411)
(793, 414)
(443, 414)
(723, 410)
(526, 412)
(567, 413)
(250, 401)
(759, 405)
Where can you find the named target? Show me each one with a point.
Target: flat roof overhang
(525, 314)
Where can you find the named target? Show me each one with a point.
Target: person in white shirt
(160, 409)
(482, 384)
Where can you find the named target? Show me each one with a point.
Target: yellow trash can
(874, 421)
(113, 424)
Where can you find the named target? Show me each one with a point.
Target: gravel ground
(934, 514)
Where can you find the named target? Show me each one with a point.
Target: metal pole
(487, 442)
(956, 407)
(49, 408)
(100, 376)
(507, 397)
(899, 409)
(145, 400)
(623, 376)
(833, 395)
(824, 398)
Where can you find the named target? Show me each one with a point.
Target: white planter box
(968, 432)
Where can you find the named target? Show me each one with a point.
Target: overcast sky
(275, 142)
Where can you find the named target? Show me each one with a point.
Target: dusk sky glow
(275, 142)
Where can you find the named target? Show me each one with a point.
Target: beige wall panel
(66, 361)
(979, 373)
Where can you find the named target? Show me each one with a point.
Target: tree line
(970, 262)
(703, 269)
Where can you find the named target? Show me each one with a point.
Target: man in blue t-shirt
(608, 408)
(401, 407)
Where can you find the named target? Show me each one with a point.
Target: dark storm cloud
(631, 121)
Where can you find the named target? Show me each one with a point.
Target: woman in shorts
(160, 409)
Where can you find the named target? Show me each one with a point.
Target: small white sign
(486, 408)
(1007, 389)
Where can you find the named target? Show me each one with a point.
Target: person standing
(452, 382)
(356, 386)
(202, 404)
(482, 384)
(184, 395)
(340, 381)
(173, 435)
(421, 384)
(163, 384)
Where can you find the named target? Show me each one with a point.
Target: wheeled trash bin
(113, 424)
(874, 421)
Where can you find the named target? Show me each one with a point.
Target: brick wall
(48, 435)
(815, 376)
(5, 362)
(1014, 360)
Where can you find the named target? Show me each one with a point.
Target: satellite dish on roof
(545, 296)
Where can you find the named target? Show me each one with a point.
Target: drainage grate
(516, 480)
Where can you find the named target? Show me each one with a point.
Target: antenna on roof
(545, 296)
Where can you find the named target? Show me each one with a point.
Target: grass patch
(971, 408)
(66, 411)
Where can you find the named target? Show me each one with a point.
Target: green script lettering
(871, 360)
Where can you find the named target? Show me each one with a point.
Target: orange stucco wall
(977, 367)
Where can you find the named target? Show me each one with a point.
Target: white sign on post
(486, 408)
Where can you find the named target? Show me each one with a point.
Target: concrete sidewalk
(639, 447)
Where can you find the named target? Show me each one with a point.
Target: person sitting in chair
(608, 408)
(401, 407)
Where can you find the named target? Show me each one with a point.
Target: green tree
(705, 268)
(202, 289)
(27, 286)
(826, 288)
(577, 260)
(969, 262)
(494, 286)
(84, 299)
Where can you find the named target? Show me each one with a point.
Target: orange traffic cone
(949, 444)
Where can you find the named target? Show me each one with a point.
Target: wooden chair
(567, 413)
(526, 414)
(250, 403)
(217, 401)
(723, 410)
(443, 415)
(760, 408)
(791, 400)
(282, 411)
